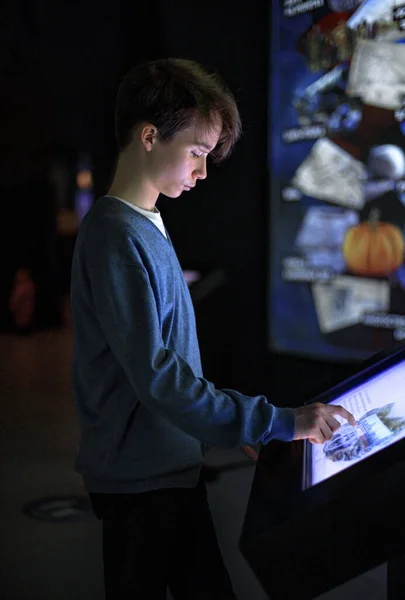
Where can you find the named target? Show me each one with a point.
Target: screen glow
(379, 408)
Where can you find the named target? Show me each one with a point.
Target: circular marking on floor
(59, 508)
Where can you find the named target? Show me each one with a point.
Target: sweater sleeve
(164, 382)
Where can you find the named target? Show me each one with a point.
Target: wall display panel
(337, 177)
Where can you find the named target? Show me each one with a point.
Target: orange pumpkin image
(373, 248)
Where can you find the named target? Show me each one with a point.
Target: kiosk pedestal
(396, 578)
(320, 515)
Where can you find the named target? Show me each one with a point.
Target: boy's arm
(162, 380)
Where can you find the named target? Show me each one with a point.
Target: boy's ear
(148, 136)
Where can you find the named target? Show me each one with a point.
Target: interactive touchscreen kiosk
(378, 405)
(319, 515)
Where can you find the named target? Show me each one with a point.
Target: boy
(144, 408)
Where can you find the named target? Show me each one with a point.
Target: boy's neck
(130, 185)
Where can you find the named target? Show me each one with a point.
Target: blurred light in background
(84, 195)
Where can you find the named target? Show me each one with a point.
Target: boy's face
(176, 166)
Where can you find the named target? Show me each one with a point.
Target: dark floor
(46, 560)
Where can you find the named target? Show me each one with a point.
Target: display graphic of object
(345, 300)
(330, 173)
(343, 5)
(346, 117)
(321, 235)
(319, 101)
(373, 248)
(375, 428)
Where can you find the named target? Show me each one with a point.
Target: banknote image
(332, 174)
(342, 302)
(377, 74)
(324, 226)
(321, 235)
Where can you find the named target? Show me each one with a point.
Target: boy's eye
(195, 155)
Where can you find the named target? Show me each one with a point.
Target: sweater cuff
(282, 426)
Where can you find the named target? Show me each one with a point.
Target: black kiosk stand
(320, 515)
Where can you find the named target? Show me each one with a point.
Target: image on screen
(378, 406)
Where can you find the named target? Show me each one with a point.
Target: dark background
(60, 66)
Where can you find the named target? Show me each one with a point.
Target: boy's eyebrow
(204, 145)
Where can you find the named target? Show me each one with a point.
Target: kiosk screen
(378, 405)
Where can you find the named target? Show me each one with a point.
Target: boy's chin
(173, 193)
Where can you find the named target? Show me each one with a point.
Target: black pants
(158, 540)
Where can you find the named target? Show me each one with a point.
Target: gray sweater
(144, 408)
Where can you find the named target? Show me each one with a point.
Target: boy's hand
(317, 423)
(249, 452)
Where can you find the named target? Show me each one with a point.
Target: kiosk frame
(303, 542)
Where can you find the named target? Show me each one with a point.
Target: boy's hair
(174, 94)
